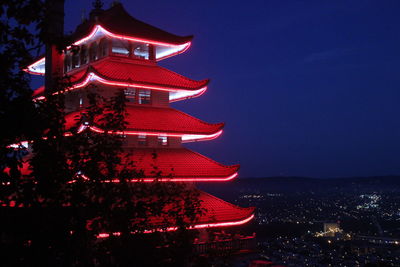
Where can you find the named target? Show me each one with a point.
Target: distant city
(322, 222)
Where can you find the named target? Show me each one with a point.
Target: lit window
(84, 55)
(130, 94)
(75, 59)
(67, 63)
(162, 140)
(142, 139)
(103, 47)
(120, 47)
(141, 51)
(144, 96)
(80, 102)
(93, 52)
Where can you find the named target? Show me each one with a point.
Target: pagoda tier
(118, 24)
(220, 213)
(169, 165)
(113, 51)
(124, 73)
(157, 121)
(121, 23)
(176, 165)
(217, 214)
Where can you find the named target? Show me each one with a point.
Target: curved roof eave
(119, 21)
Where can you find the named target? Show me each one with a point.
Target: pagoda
(119, 52)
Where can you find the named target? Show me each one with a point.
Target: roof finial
(98, 4)
(83, 16)
(115, 2)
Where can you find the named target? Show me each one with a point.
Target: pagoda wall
(73, 99)
(160, 98)
(131, 141)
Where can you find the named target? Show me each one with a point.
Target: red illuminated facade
(118, 52)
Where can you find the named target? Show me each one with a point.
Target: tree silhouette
(53, 214)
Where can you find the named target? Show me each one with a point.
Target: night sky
(306, 88)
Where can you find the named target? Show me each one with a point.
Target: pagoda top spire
(115, 2)
(97, 4)
(116, 23)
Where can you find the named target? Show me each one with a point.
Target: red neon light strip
(39, 98)
(97, 28)
(174, 54)
(224, 224)
(198, 226)
(206, 225)
(91, 76)
(23, 144)
(149, 180)
(200, 92)
(195, 137)
(185, 46)
(31, 68)
(201, 179)
(124, 37)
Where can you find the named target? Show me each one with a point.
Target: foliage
(18, 38)
(53, 216)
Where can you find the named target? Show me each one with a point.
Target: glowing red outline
(149, 180)
(196, 137)
(190, 93)
(201, 179)
(201, 137)
(201, 92)
(125, 37)
(198, 226)
(185, 46)
(23, 144)
(222, 224)
(30, 68)
(92, 76)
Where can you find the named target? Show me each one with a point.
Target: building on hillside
(119, 52)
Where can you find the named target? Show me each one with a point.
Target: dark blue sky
(306, 88)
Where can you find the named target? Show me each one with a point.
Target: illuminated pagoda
(119, 52)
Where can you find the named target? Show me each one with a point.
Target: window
(103, 47)
(75, 59)
(67, 63)
(141, 51)
(144, 96)
(130, 94)
(120, 47)
(162, 140)
(142, 140)
(93, 52)
(84, 55)
(80, 102)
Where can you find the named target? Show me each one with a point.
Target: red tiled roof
(25, 169)
(118, 21)
(38, 92)
(156, 119)
(217, 212)
(133, 71)
(178, 164)
(172, 164)
(72, 120)
(167, 120)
